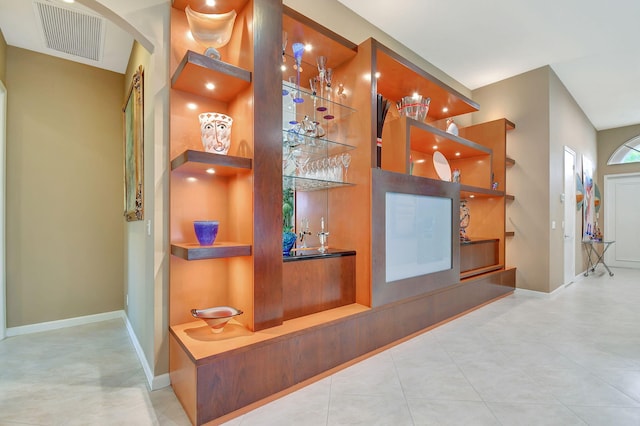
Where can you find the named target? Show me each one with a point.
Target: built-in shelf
(323, 110)
(509, 162)
(313, 253)
(468, 191)
(194, 251)
(480, 271)
(314, 147)
(398, 77)
(200, 343)
(191, 161)
(424, 137)
(510, 197)
(196, 70)
(308, 184)
(509, 233)
(510, 124)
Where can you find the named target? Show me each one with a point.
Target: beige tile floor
(570, 358)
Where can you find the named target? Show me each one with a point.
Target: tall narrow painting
(133, 124)
(589, 208)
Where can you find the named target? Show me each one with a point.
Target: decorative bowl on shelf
(216, 317)
(215, 129)
(211, 30)
(206, 231)
(416, 107)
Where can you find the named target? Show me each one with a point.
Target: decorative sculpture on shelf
(215, 132)
(322, 235)
(211, 30)
(298, 50)
(465, 218)
(452, 128)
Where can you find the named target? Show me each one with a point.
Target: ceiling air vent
(71, 31)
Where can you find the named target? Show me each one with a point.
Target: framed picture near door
(133, 124)
(589, 209)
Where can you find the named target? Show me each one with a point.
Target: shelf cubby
(192, 161)
(196, 70)
(193, 251)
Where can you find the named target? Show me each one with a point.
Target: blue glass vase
(206, 231)
(288, 240)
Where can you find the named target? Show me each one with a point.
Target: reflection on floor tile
(570, 358)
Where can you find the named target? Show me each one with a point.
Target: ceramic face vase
(216, 132)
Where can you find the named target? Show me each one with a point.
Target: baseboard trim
(154, 382)
(69, 322)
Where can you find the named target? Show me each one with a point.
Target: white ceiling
(19, 23)
(593, 46)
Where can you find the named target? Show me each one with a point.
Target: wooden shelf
(510, 124)
(510, 197)
(509, 162)
(300, 29)
(509, 234)
(424, 137)
(192, 251)
(480, 271)
(399, 77)
(196, 70)
(467, 190)
(200, 343)
(198, 162)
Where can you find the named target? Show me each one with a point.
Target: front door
(621, 207)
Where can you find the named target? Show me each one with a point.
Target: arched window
(628, 152)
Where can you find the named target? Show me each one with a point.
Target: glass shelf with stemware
(303, 184)
(323, 110)
(312, 158)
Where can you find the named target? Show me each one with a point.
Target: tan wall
(608, 141)
(524, 99)
(570, 127)
(64, 189)
(547, 118)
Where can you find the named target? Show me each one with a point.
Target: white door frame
(610, 232)
(3, 269)
(569, 218)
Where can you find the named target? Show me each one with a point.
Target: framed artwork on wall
(589, 217)
(133, 124)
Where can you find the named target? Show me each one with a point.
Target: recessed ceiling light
(210, 86)
(457, 154)
(191, 179)
(211, 2)
(283, 67)
(445, 109)
(435, 147)
(422, 160)
(308, 47)
(191, 105)
(211, 171)
(472, 196)
(377, 74)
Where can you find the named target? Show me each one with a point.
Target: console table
(592, 253)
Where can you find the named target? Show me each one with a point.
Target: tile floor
(571, 358)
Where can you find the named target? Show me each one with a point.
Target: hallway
(571, 358)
